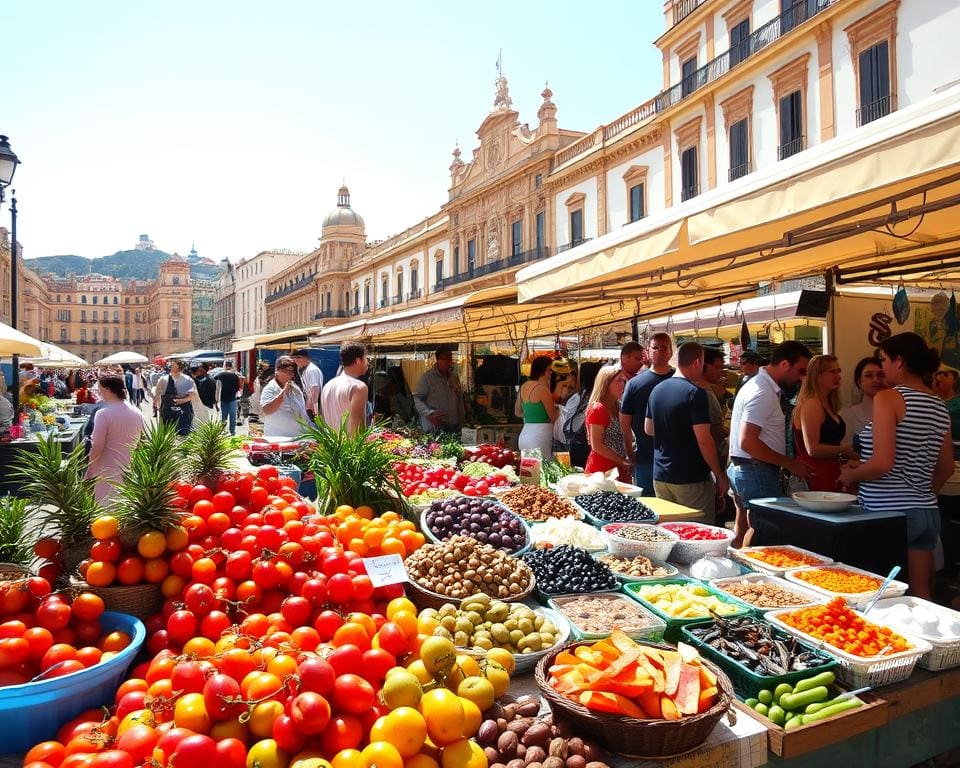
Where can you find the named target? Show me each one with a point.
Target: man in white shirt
(312, 378)
(758, 432)
(345, 396)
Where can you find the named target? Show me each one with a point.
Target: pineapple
(145, 496)
(208, 452)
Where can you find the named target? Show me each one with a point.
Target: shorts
(754, 481)
(923, 528)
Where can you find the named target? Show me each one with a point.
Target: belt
(737, 461)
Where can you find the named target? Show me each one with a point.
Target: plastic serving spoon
(883, 588)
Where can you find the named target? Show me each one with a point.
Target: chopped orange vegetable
(780, 557)
(835, 579)
(863, 638)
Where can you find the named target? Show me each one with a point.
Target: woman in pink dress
(116, 428)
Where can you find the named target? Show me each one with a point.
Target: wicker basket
(13, 572)
(140, 600)
(424, 598)
(630, 736)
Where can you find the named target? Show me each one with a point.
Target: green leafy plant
(16, 541)
(355, 470)
(208, 452)
(58, 491)
(145, 495)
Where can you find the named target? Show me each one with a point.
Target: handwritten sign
(386, 569)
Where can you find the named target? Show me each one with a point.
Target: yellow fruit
(444, 714)
(421, 761)
(419, 670)
(465, 666)
(400, 604)
(190, 712)
(104, 527)
(177, 538)
(504, 658)
(463, 754)
(137, 717)
(438, 654)
(152, 544)
(266, 754)
(309, 759)
(401, 689)
(472, 717)
(262, 717)
(404, 727)
(230, 729)
(479, 690)
(498, 676)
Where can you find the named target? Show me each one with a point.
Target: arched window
(399, 296)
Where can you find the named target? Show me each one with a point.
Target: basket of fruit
(482, 519)
(697, 540)
(459, 567)
(632, 539)
(636, 699)
(614, 507)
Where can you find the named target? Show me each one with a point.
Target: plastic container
(432, 537)
(32, 712)
(745, 682)
(653, 632)
(687, 551)
(743, 556)
(674, 624)
(525, 662)
(539, 540)
(654, 550)
(945, 651)
(599, 522)
(859, 599)
(860, 671)
(625, 579)
(811, 597)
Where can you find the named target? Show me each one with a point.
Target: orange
(407, 621)
(101, 574)
(343, 510)
(155, 570)
(177, 538)
(444, 715)
(282, 665)
(382, 754)
(359, 546)
(404, 728)
(364, 511)
(152, 544)
(400, 604)
(390, 516)
(349, 758)
(260, 685)
(172, 585)
(421, 761)
(201, 647)
(373, 535)
(472, 717)
(161, 689)
(412, 540)
(104, 527)
(463, 754)
(392, 546)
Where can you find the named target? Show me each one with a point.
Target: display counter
(68, 439)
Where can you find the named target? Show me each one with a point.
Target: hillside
(127, 265)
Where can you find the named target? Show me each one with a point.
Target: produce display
(495, 455)
(684, 601)
(757, 646)
(578, 484)
(565, 569)
(357, 530)
(688, 532)
(566, 530)
(646, 533)
(614, 507)
(480, 622)
(764, 594)
(487, 521)
(603, 613)
(416, 480)
(807, 702)
(638, 566)
(781, 557)
(836, 579)
(619, 676)
(461, 566)
(532, 502)
(839, 626)
(918, 617)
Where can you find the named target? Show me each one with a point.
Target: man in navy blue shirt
(633, 408)
(684, 451)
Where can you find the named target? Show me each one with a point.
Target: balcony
(738, 171)
(691, 191)
(790, 148)
(683, 8)
(328, 313)
(287, 290)
(354, 311)
(383, 304)
(414, 295)
(874, 111)
(398, 299)
(437, 287)
(573, 244)
(366, 308)
(514, 260)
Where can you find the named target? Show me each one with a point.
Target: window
(399, 294)
(176, 281)
(576, 227)
(516, 238)
(688, 72)
(116, 299)
(366, 297)
(116, 335)
(83, 315)
(94, 335)
(795, 12)
(175, 308)
(739, 42)
(138, 335)
(636, 202)
(456, 260)
(95, 315)
(328, 301)
(873, 49)
(414, 278)
(689, 176)
(83, 335)
(63, 335)
(739, 149)
(69, 299)
(790, 95)
(116, 316)
(635, 181)
(384, 290)
(791, 125)
(471, 255)
(83, 299)
(538, 181)
(106, 334)
(356, 299)
(874, 83)
(438, 272)
(58, 298)
(95, 299)
(540, 223)
(175, 329)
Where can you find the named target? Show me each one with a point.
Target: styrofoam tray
(743, 556)
(894, 588)
(946, 649)
(813, 598)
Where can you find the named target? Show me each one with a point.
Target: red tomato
(231, 753)
(310, 712)
(289, 739)
(107, 550)
(376, 663)
(214, 624)
(112, 758)
(200, 598)
(182, 625)
(139, 742)
(217, 691)
(193, 751)
(188, 677)
(13, 651)
(297, 611)
(353, 695)
(347, 659)
(342, 732)
(317, 675)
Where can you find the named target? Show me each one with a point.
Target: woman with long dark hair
(535, 405)
(907, 452)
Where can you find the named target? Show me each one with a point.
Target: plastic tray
(33, 712)
(599, 522)
(653, 632)
(745, 682)
(433, 538)
(655, 550)
(533, 545)
(687, 551)
(674, 625)
(743, 556)
(625, 579)
(945, 651)
(860, 671)
(813, 598)
(894, 588)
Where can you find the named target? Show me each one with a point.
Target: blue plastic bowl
(33, 712)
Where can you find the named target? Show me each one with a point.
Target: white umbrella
(123, 358)
(14, 342)
(57, 357)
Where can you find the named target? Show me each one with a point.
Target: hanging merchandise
(951, 320)
(744, 335)
(901, 305)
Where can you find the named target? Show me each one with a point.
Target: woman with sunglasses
(283, 403)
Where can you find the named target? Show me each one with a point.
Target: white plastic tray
(743, 556)
(811, 597)
(946, 650)
(688, 551)
(894, 588)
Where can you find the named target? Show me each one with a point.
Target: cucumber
(794, 722)
(765, 696)
(751, 702)
(834, 709)
(782, 689)
(762, 709)
(825, 679)
(801, 700)
(777, 715)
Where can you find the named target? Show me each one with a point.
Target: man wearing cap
(750, 365)
(438, 396)
(312, 378)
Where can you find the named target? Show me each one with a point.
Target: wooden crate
(807, 738)
(923, 689)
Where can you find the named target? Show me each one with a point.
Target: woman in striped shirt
(907, 452)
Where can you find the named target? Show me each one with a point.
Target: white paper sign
(386, 569)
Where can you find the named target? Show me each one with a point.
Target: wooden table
(874, 541)
(671, 512)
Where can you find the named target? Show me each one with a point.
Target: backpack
(207, 391)
(575, 421)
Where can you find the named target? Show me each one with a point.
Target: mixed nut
(638, 566)
(461, 566)
(763, 594)
(532, 502)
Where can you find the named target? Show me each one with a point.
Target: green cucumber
(762, 709)
(833, 709)
(825, 679)
(801, 700)
(777, 715)
(782, 689)
(794, 722)
(765, 696)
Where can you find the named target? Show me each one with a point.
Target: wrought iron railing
(874, 110)
(738, 171)
(790, 148)
(328, 313)
(683, 8)
(573, 244)
(287, 290)
(354, 311)
(414, 295)
(490, 267)
(689, 192)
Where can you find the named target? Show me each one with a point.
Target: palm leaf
(16, 541)
(208, 452)
(146, 492)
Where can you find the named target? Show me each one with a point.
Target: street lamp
(8, 167)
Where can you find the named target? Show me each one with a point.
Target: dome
(343, 215)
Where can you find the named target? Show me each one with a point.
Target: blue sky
(233, 123)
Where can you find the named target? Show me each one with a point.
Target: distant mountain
(127, 265)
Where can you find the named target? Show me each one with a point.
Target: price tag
(386, 569)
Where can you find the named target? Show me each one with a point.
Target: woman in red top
(603, 424)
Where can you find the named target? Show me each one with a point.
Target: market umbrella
(57, 357)
(14, 342)
(123, 358)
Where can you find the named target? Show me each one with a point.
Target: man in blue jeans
(758, 434)
(230, 383)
